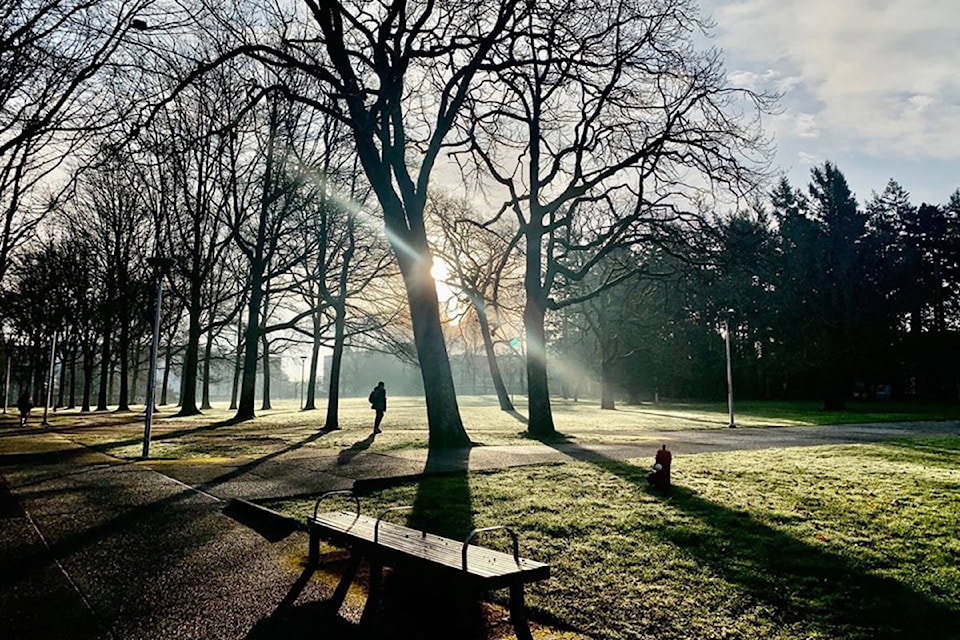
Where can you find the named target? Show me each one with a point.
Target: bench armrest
(325, 494)
(473, 534)
(376, 525)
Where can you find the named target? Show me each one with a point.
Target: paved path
(96, 547)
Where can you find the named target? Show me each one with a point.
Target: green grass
(854, 542)
(405, 424)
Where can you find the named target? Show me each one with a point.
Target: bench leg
(373, 595)
(313, 548)
(518, 613)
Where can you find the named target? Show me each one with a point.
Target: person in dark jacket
(378, 402)
(24, 405)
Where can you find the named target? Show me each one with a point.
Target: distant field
(855, 542)
(405, 424)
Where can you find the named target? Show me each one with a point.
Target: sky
(871, 85)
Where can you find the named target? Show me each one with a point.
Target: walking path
(96, 547)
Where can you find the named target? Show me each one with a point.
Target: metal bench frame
(379, 554)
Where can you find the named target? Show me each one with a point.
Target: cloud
(805, 126)
(875, 76)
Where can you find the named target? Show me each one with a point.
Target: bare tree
(592, 99)
(484, 261)
(52, 55)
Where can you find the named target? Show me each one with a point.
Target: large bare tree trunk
(72, 400)
(266, 372)
(237, 367)
(540, 420)
(167, 357)
(188, 399)
(87, 380)
(336, 361)
(607, 398)
(443, 412)
(310, 403)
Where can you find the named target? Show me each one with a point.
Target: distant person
(378, 402)
(660, 478)
(24, 405)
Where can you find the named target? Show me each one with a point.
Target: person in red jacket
(660, 478)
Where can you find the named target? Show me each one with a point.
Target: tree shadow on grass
(414, 603)
(805, 583)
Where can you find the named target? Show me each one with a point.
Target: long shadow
(415, 605)
(518, 416)
(139, 518)
(347, 455)
(825, 590)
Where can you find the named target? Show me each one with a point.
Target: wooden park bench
(458, 564)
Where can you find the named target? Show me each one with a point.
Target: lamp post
(49, 395)
(726, 339)
(302, 360)
(160, 266)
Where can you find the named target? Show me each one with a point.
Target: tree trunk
(123, 402)
(87, 379)
(310, 402)
(502, 396)
(237, 367)
(251, 341)
(63, 379)
(188, 401)
(166, 373)
(607, 399)
(136, 373)
(102, 393)
(538, 392)
(336, 361)
(72, 399)
(207, 350)
(266, 372)
(443, 412)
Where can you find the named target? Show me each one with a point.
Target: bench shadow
(802, 582)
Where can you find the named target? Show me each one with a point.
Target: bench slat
(482, 563)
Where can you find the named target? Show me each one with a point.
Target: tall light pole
(49, 395)
(726, 339)
(302, 360)
(160, 266)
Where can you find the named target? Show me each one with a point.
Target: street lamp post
(726, 337)
(160, 266)
(49, 395)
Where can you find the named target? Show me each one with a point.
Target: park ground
(800, 524)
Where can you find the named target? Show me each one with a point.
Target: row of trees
(824, 297)
(286, 157)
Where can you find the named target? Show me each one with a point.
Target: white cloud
(876, 76)
(807, 159)
(805, 126)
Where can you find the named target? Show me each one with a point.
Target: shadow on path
(347, 455)
(829, 592)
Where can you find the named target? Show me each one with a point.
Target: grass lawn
(823, 542)
(405, 424)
